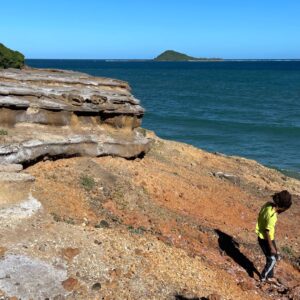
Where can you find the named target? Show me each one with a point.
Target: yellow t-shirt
(267, 219)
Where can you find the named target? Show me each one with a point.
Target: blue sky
(144, 28)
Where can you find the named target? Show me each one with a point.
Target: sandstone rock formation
(63, 113)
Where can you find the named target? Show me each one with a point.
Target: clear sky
(145, 28)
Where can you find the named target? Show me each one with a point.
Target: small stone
(232, 178)
(214, 296)
(96, 286)
(102, 224)
(2, 251)
(283, 281)
(138, 251)
(70, 284)
(42, 248)
(70, 253)
(115, 273)
(246, 285)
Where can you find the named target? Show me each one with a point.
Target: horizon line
(152, 59)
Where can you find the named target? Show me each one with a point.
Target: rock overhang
(55, 112)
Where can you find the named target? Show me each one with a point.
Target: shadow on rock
(180, 297)
(230, 247)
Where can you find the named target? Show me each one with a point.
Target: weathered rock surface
(16, 201)
(15, 186)
(29, 278)
(64, 113)
(161, 227)
(11, 168)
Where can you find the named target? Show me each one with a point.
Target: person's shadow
(180, 297)
(230, 247)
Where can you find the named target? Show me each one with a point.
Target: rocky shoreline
(81, 219)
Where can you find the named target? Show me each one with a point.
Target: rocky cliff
(177, 223)
(58, 113)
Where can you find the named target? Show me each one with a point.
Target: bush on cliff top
(10, 58)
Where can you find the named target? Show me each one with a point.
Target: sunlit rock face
(65, 113)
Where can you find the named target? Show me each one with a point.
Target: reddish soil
(174, 195)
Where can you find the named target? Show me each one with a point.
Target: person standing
(265, 230)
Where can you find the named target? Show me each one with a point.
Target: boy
(265, 229)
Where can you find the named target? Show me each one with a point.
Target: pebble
(96, 286)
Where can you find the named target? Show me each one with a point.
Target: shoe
(273, 281)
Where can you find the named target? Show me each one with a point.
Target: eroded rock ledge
(64, 113)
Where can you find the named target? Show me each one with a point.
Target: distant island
(171, 55)
(10, 58)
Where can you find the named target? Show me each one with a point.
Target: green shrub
(139, 230)
(10, 58)
(287, 250)
(55, 216)
(3, 132)
(87, 182)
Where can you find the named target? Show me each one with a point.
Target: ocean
(244, 108)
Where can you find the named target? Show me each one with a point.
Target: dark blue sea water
(250, 109)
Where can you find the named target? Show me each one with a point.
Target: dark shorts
(264, 245)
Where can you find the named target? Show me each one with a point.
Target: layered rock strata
(65, 113)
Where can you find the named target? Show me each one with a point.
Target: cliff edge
(174, 223)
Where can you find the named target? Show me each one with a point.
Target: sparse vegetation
(139, 230)
(56, 217)
(142, 131)
(69, 220)
(87, 182)
(287, 251)
(3, 132)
